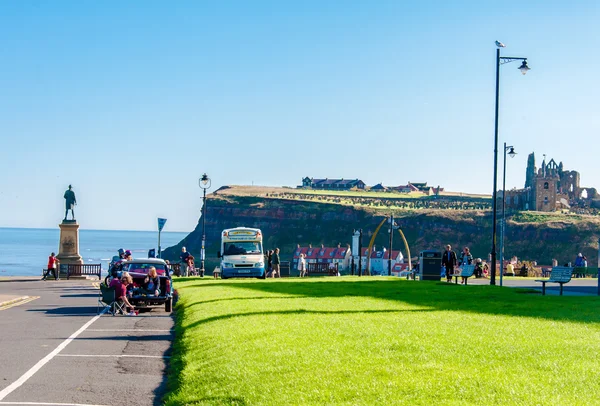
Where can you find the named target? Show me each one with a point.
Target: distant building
(548, 188)
(379, 261)
(338, 255)
(379, 188)
(333, 184)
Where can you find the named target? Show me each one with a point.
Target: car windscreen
(242, 247)
(143, 268)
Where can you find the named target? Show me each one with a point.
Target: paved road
(577, 287)
(111, 361)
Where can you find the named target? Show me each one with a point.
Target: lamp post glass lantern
(204, 183)
(500, 60)
(511, 153)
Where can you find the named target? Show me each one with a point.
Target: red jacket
(52, 262)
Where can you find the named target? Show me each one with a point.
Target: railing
(322, 268)
(84, 269)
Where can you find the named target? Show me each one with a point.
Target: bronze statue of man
(70, 202)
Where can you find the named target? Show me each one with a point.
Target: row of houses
(348, 184)
(342, 256)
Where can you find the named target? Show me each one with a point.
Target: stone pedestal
(68, 249)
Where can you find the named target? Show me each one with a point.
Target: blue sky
(132, 101)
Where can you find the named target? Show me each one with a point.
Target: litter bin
(284, 269)
(430, 265)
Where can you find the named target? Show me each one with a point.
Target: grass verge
(380, 341)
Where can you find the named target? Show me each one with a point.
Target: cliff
(293, 220)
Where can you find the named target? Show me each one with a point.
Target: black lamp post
(500, 60)
(360, 252)
(204, 183)
(391, 242)
(511, 153)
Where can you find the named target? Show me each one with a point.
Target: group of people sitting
(125, 288)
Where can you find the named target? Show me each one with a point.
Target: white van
(242, 253)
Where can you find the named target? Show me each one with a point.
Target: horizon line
(92, 229)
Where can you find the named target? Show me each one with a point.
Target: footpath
(577, 286)
(56, 350)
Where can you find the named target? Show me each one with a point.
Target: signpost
(161, 224)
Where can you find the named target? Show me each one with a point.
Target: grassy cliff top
(239, 190)
(371, 202)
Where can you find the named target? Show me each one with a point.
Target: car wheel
(169, 305)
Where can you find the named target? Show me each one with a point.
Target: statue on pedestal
(70, 203)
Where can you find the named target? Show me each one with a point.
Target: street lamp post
(391, 242)
(512, 153)
(204, 183)
(360, 252)
(500, 60)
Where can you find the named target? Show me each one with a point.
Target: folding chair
(106, 298)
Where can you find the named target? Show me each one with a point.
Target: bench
(466, 272)
(321, 268)
(84, 269)
(560, 275)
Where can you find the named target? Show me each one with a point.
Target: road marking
(16, 384)
(130, 330)
(49, 404)
(25, 299)
(113, 356)
(96, 285)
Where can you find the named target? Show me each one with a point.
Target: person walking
(270, 263)
(275, 261)
(52, 267)
(449, 262)
(465, 259)
(302, 265)
(183, 264)
(578, 265)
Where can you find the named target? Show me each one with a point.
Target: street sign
(161, 223)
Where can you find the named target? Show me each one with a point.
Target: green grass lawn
(381, 341)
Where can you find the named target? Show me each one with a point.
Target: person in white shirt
(302, 265)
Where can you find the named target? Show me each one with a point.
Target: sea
(25, 251)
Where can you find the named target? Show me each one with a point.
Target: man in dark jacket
(449, 261)
(275, 261)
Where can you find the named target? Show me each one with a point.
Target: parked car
(138, 269)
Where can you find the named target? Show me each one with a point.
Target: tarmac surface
(56, 350)
(577, 286)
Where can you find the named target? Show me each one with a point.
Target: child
(302, 265)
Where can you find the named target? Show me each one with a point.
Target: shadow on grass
(239, 298)
(438, 296)
(298, 311)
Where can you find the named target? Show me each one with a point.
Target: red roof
(298, 251)
(326, 253)
(340, 253)
(312, 253)
(376, 254)
(395, 254)
(400, 267)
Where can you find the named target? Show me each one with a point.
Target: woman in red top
(52, 267)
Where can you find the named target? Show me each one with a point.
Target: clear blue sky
(132, 101)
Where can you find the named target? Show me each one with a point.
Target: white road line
(48, 404)
(113, 356)
(16, 384)
(130, 330)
